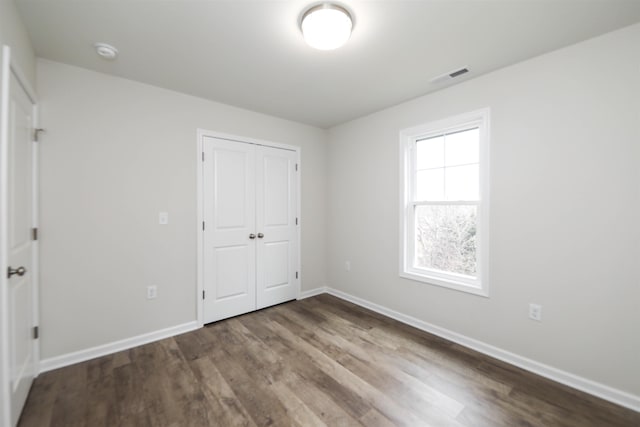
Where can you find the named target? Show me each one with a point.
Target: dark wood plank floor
(319, 361)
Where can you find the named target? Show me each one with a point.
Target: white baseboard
(125, 344)
(312, 292)
(605, 392)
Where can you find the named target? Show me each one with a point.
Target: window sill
(450, 284)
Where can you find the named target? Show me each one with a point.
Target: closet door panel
(276, 210)
(229, 212)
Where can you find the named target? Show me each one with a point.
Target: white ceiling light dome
(106, 51)
(326, 26)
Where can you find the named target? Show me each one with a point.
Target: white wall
(115, 153)
(565, 209)
(14, 33)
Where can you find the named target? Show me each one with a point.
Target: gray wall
(117, 152)
(14, 33)
(565, 204)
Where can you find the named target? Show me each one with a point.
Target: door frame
(202, 133)
(10, 67)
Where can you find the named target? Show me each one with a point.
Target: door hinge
(296, 274)
(203, 293)
(36, 332)
(296, 220)
(203, 156)
(202, 225)
(34, 233)
(36, 132)
(296, 166)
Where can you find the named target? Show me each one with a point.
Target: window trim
(408, 138)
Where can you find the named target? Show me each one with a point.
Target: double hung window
(444, 203)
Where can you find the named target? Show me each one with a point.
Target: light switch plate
(163, 218)
(535, 312)
(152, 292)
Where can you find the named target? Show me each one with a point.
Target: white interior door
(229, 222)
(20, 280)
(276, 212)
(250, 233)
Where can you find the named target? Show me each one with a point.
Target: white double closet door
(250, 233)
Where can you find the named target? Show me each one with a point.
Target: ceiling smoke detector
(106, 51)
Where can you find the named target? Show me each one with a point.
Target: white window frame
(408, 139)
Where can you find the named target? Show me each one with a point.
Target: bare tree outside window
(446, 238)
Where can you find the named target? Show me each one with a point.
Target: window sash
(413, 155)
(410, 216)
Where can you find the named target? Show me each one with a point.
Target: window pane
(462, 147)
(446, 238)
(462, 182)
(430, 185)
(430, 153)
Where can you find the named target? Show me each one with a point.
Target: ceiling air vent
(450, 75)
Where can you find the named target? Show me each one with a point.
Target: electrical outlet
(347, 266)
(152, 292)
(163, 218)
(535, 312)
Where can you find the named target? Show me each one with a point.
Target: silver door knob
(260, 235)
(19, 271)
(252, 236)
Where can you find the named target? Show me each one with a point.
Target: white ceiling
(251, 54)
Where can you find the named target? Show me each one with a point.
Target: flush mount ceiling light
(326, 26)
(106, 51)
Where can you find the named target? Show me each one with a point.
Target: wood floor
(319, 361)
